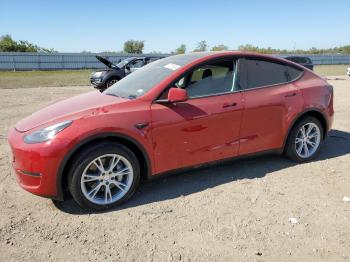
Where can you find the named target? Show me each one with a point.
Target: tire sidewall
(89, 155)
(290, 148)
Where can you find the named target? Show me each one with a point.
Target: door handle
(229, 105)
(290, 95)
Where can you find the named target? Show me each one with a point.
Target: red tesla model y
(177, 112)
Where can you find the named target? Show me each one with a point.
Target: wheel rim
(307, 140)
(111, 82)
(106, 179)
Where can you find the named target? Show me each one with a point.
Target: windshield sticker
(172, 66)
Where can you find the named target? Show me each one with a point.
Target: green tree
(248, 47)
(201, 46)
(219, 48)
(180, 50)
(134, 46)
(7, 44)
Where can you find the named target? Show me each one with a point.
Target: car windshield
(124, 62)
(144, 79)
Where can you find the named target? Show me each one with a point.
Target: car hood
(103, 70)
(106, 62)
(69, 109)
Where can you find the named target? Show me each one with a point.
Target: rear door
(206, 126)
(271, 102)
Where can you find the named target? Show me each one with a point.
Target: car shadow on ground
(189, 182)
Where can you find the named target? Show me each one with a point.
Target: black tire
(85, 158)
(290, 147)
(111, 82)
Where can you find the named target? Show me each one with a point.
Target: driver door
(204, 128)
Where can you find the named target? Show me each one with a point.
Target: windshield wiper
(110, 94)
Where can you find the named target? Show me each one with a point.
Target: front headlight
(97, 74)
(46, 133)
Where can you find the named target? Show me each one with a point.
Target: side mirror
(127, 67)
(177, 95)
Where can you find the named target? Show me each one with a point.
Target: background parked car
(348, 72)
(302, 60)
(103, 79)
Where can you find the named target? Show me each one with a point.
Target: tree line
(7, 44)
(313, 50)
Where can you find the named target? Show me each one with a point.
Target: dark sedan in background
(105, 78)
(301, 60)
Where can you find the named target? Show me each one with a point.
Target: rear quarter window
(293, 73)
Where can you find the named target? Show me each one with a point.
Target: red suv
(175, 113)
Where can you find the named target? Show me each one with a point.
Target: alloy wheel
(106, 179)
(307, 140)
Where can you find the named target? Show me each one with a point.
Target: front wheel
(104, 176)
(111, 82)
(304, 140)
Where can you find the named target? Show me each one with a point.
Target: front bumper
(97, 82)
(36, 165)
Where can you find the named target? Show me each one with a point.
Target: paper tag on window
(172, 66)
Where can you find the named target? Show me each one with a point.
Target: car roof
(217, 54)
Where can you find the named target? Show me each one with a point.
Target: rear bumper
(329, 124)
(35, 165)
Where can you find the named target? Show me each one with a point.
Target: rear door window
(265, 73)
(255, 73)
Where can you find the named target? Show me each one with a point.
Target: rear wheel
(304, 140)
(104, 176)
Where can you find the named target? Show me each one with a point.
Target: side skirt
(278, 151)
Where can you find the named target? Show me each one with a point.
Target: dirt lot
(234, 212)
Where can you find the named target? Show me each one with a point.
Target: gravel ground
(239, 211)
